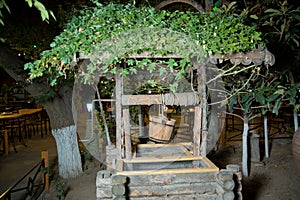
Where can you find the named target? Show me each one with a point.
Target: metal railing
(32, 181)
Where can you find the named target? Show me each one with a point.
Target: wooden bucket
(160, 128)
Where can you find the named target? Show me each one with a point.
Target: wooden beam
(161, 159)
(164, 145)
(130, 100)
(204, 128)
(182, 146)
(185, 150)
(197, 130)
(128, 149)
(168, 171)
(208, 162)
(119, 127)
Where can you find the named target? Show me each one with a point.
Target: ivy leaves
(214, 33)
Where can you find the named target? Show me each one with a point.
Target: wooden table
(17, 120)
(13, 121)
(30, 111)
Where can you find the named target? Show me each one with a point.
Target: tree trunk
(296, 125)
(296, 148)
(59, 110)
(245, 148)
(266, 136)
(69, 160)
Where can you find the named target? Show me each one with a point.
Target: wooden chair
(39, 123)
(4, 140)
(15, 127)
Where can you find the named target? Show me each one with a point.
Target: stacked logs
(237, 178)
(224, 185)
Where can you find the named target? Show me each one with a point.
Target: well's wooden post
(126, 116)
(119, 126)
(197, 130)
(45, 176)
(202, 85)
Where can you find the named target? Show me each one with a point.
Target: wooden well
(164, 159)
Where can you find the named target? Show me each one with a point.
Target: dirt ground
(81, 188)
(277, 179)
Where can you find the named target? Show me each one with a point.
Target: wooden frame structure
(189, 160)
(123, 101)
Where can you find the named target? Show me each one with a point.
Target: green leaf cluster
(283, 23)
(214, 33)
(261, 92)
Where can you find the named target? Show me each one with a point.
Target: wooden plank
(208, 162)
(177, 149)
(161, 159)
(163, 145)
(127, 132)
(168, 171)
(185, 150)
(167, 179)
(188, 144)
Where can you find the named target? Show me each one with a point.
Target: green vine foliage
(214, 33)
(109, 54)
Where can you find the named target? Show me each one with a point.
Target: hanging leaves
(222, 33)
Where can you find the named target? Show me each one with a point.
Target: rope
(182, 99)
